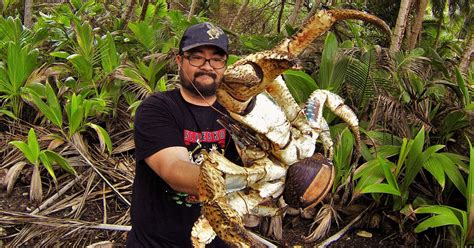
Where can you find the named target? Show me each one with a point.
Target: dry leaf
(364, 234)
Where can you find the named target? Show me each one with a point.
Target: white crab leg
(238, 177)
(326, 139)
(268, 119)
(314, 112)
(282, 96)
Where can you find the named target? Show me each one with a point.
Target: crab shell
(308, 181)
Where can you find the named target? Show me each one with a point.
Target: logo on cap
(213, 32)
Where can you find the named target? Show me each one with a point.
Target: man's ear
(178, 60)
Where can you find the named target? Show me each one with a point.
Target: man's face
(206, 78)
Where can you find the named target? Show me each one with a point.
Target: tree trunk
(467, 55)
(244, 5)
(128, 12)
(295, 12)
(397, 35)
(144, 9)
(191, 11)
(417, 25)
(28, 17)
(438, 33)
(280, 14)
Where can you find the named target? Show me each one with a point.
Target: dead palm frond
(49, 229)
(395, 116)
(322, 221)
(342, 231)
(12, 175)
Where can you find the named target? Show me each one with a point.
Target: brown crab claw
(308, 181)
(241, 79)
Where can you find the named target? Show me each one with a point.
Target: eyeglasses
(198, 61)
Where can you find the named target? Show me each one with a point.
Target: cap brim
(187, 48)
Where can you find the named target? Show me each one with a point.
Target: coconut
(308, 181)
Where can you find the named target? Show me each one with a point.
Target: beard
(199, 89)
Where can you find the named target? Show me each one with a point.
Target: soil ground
(294, 229)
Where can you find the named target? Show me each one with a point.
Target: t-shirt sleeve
(156, 127)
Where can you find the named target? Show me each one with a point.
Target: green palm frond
(364, 80)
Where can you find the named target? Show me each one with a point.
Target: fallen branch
(341, 232)
(57, 195)
(121, 197)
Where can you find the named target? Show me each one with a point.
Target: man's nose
(207, 65)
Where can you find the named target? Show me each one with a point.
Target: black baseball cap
(203, 34)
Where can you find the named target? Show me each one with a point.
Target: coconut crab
(283, 147)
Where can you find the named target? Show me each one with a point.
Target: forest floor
(294, 228)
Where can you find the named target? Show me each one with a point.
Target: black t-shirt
(162, 217)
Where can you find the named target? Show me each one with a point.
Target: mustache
(205, 73)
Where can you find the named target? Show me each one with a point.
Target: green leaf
(452, 171)
(144, 33)
(436, 221)
(55, 118)
(343, 150)
(435, 167)
(108, 53)
(384, 138)
(381, 188)
(300, 84)
(104, 137)
(33, 143)
(132, 75)
(82, 65)
(85, 39)
(61, 161)
(414, 161)
(21, 62)
(54, 105)
(47, 164)
(470, 179)
(462, 86)
(387, 151)
(369, 173)
(416, 148)
(443, 216)
(404, 149)
(161, 84)
(328, 61)
(390, 188)
(25, 149)
(75, 114)
(232, 59)
(8, 113)
(60, 54)
(388, 173)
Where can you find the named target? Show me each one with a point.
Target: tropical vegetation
(72, 74)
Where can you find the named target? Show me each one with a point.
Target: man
(170, 129)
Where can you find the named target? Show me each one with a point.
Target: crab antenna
(321, 22)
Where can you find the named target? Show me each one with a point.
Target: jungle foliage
(71, 82)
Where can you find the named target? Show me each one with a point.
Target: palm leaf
(109, 56)
(300, 84)
(144, 33)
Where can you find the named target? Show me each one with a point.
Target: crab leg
(314, 111)
(282, 96)
(224, 220)
(250, 76)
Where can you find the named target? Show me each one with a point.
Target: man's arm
(173, 166)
